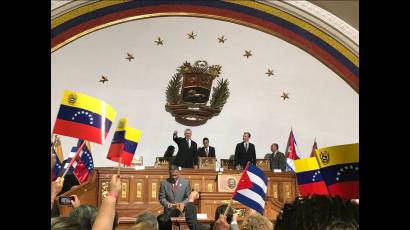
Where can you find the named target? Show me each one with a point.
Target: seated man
(174, 192)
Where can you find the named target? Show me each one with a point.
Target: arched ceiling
(336, 45)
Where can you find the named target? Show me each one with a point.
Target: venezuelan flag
(340, 168)
(309, 177)
(84, 117)
(124, 143)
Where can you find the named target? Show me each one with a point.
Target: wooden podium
(140, 190)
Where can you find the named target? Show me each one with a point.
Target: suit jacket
(278, 161)
(201, 153)
(185, 155)
(167, 195)
(242, 157)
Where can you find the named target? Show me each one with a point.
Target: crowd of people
(177, 198)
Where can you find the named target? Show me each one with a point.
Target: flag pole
(73, 159)
(55, 141)
(119, 165)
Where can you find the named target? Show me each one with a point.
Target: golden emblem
(189, 91)
(72, 98)
(324, 157)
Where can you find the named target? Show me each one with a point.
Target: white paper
(201, 216)
(139, 167)
(277, 170)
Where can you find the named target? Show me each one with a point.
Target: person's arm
(186, 193)
(56, 188)
(221, 223)
(234, 223)
(106, 213)
(162, 196)
(175, 137)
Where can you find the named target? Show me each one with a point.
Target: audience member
(148, 218)
(65, 223)
(319, 212)
(85, 214)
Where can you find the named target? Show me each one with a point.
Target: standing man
(206, 151)
(277, 159)
(186, 149)
(244, 152)
(174, 192)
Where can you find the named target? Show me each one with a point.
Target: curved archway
(89, 18)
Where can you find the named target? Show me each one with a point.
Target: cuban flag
(251, 188)
(291, 152)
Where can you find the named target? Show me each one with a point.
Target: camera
(65, 200)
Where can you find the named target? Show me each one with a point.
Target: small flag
(314, 147)
(124, 143)
(309, 177)
(251, 188)
(340, 169)
(57, 166)
(291, 153)
(83, 165)
(84, 117)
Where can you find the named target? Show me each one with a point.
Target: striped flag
(314, 147)
(83, 165)
(309, 177)
(124, 143)
(84, 117)
(251, 188)
(291, 152)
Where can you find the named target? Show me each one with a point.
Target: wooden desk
(140, 190)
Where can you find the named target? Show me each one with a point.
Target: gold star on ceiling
(191, 35)
(247, 53)
(159, 41)
(129, 57)
(103, 79)
(270, 72)
(285, 96)
(222, 39)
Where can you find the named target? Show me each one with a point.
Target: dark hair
(277, 146)
(319, 212)
(170, 151)
(173, 167)
(221, 210)
(205, 139)
(249, 134)
(164, 222)
(65, 223)
(85, 214)
(148, 218)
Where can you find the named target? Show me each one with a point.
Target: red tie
(174, 187)
(206, 152)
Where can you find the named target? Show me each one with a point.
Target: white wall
(321, 104)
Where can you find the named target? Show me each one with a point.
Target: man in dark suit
(206, 151)
(174, 192)
(277, 159)
(244, 152)
(186, 150)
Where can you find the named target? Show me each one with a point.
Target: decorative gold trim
(139, 188)
(220, 18)
(124, 189)
(153, 190)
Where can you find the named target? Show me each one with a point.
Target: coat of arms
(324, 157)
(189, 91)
